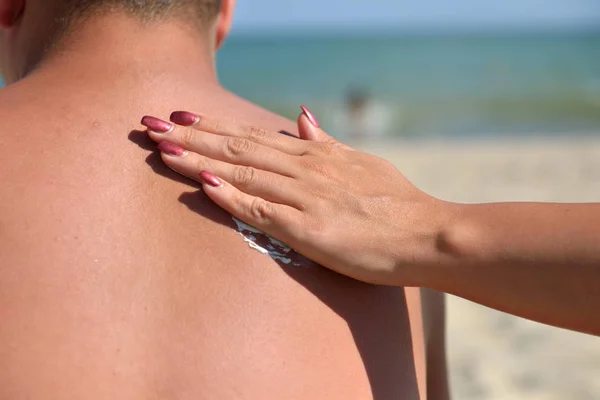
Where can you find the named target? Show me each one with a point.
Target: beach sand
(493, 355)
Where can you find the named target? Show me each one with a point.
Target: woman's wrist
(450, 243)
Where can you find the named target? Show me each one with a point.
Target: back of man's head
(28, 28)
(202, 11)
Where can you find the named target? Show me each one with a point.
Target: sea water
(428, 85)
(425, 85)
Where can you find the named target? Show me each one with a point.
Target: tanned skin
(120, 279)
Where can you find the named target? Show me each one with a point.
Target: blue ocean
(444, 85)
(426, 85)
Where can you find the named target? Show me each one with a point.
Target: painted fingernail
(311, 117)
(210, 179)
(171, 149)
(156, 125)
(184, 118)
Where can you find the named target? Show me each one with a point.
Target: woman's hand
(349, 211)
(356, 214)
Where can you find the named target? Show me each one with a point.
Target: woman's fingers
(270, 186)
(274, 219)
(223, 127)
(231, 149)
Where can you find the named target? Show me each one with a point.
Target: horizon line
(367, 30)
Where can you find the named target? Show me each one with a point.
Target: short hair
(198, 11)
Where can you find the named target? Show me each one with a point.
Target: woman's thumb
(309, 128)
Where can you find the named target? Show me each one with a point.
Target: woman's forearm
(537, 261)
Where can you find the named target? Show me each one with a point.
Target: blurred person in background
(362, 118)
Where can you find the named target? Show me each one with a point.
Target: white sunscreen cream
(267, 245)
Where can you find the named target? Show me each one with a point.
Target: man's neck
(119, 49)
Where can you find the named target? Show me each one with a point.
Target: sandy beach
(494, 356)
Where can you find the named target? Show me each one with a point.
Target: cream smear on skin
(267, 245)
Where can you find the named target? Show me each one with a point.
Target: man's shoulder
(19, 121)
(8, 108)
(54, 188)
(248, 112)
(17, 114)
(14, 126)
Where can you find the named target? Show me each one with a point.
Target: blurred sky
(293, 15)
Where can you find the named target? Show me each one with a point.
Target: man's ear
(225, 20)
(10, 11)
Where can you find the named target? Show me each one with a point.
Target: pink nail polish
(156, 125)
(171, 149)
(210, 179)
(184, 118)
(311, 117)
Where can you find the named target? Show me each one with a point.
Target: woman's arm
(538, 261)
(356, 214)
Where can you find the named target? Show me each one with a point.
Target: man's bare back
(118, 279)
